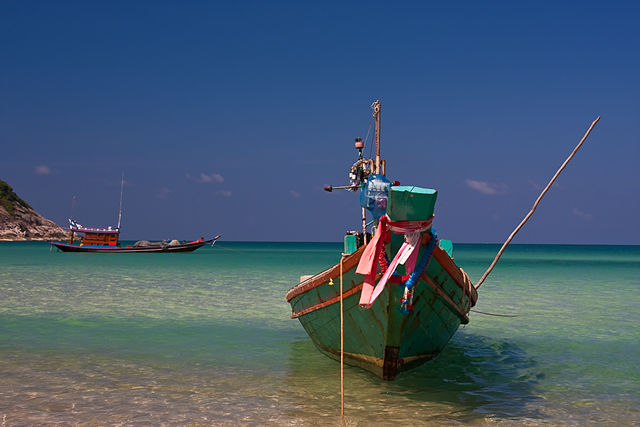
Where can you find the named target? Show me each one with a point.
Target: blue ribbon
(413, 278)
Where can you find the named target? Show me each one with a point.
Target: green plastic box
(407, 203)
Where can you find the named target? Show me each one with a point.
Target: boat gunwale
(324, 276)
(458, 275)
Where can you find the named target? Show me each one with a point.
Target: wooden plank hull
(380, 339)
(187, 247)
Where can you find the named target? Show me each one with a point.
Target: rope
(494, 314)
(341, 347)
(535, 205)
(367, 137)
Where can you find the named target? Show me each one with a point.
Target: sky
(230, 117)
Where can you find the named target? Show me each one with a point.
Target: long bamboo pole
(535, 205)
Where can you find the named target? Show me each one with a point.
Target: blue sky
(231, 117)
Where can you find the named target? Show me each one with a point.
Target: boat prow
(382, 339)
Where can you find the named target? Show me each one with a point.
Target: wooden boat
(395, 317)
(106, 240)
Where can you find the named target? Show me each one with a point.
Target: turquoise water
(205, 339)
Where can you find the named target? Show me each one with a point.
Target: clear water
(205, 339)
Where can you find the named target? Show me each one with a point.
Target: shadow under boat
(476, 375)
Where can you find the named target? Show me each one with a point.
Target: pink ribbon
(368, 264)
(406, 255)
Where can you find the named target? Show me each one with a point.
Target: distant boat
(106, 240)
(403, 295)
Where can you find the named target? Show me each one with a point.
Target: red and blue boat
(106, 240)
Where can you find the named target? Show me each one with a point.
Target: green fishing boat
(395, 297)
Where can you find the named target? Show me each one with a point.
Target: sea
(206, 338)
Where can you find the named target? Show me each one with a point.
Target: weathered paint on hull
(380, 339)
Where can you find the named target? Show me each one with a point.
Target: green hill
(19, 221)
(8, 199)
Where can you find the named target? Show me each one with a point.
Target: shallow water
(205, 339)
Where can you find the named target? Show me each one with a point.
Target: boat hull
(381, 339)
(187, 247)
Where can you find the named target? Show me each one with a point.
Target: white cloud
(224, 193)
(582, 215)
(295, 194)
(214, 177)
(205, 178)
(485, 187)
(43, 170)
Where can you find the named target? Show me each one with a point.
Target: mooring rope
(494, 314)
(341, 346)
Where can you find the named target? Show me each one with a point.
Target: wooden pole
(535, 205)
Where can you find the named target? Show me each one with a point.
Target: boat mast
(73, 202)
(376, 114)
(121, 191)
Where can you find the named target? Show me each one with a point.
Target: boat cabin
(100, 239)
(94, 236)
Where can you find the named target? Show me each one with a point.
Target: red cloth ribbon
(368, 264)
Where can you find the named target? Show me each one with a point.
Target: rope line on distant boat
(535, 205)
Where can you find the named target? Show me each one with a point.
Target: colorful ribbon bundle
(407, 255)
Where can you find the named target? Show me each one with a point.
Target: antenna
(73, 203)
(121, 191)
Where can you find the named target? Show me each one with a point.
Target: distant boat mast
(121, 191)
